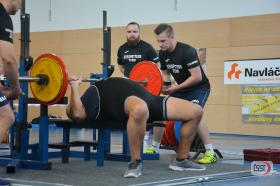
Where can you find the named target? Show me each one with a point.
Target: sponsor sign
(266, 71)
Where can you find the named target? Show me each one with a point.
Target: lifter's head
(11, 6)
(133, 33)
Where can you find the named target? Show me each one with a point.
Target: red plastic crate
(267, 154)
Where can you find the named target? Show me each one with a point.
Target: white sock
(146, 140)
(156, 145)
(209, 147)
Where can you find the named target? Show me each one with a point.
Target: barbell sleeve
(23, 78)
(28, 79)
(40, 79)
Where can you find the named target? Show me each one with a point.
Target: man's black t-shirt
(178, 63)
(129, 56)
(6, 25)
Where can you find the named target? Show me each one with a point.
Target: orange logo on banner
(233, 71)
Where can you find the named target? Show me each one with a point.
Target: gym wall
(253, 37)
(54, 15)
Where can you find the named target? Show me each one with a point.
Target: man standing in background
(181, 61)
(133, 51)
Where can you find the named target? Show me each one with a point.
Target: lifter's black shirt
(129, 55)
(104, 101)
(6, 25)
(178, 63)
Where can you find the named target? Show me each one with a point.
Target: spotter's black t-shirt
(179, 61)
(6, 25)
(129, 56)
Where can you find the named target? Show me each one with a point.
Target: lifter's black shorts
(104, 101)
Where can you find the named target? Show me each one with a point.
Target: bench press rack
(36, 156)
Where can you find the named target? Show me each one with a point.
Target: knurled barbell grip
(89, 79)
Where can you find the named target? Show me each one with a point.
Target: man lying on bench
(125, 101)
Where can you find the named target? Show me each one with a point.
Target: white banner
(265, 71)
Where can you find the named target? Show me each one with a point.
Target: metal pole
(106, 45)
(23, 100)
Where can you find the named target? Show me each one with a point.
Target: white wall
(47, 15)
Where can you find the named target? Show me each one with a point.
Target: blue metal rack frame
(36, 156)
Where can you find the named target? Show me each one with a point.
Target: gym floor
(231, 170)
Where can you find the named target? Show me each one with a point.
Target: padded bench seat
(112, 125)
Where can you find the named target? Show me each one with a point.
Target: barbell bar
(48, 78)
(42, 79)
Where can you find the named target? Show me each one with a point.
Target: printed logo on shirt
(192, 63)
(155, 59)
(126, 51)
(175, 68)
(167, 60)
(10, 32)
(132, 58)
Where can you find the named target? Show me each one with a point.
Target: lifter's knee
(140, 112)
(137, 109)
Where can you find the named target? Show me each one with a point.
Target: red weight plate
(168, 137)
(149, 72)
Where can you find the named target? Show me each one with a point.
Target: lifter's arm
(75, 109)
(10, 69)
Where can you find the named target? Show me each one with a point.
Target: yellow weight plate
(53, 67)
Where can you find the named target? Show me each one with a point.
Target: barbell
(48, 78)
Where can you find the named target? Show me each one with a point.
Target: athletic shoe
(208, 158)
(150, 150)
(185, 165)
(134, 170)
